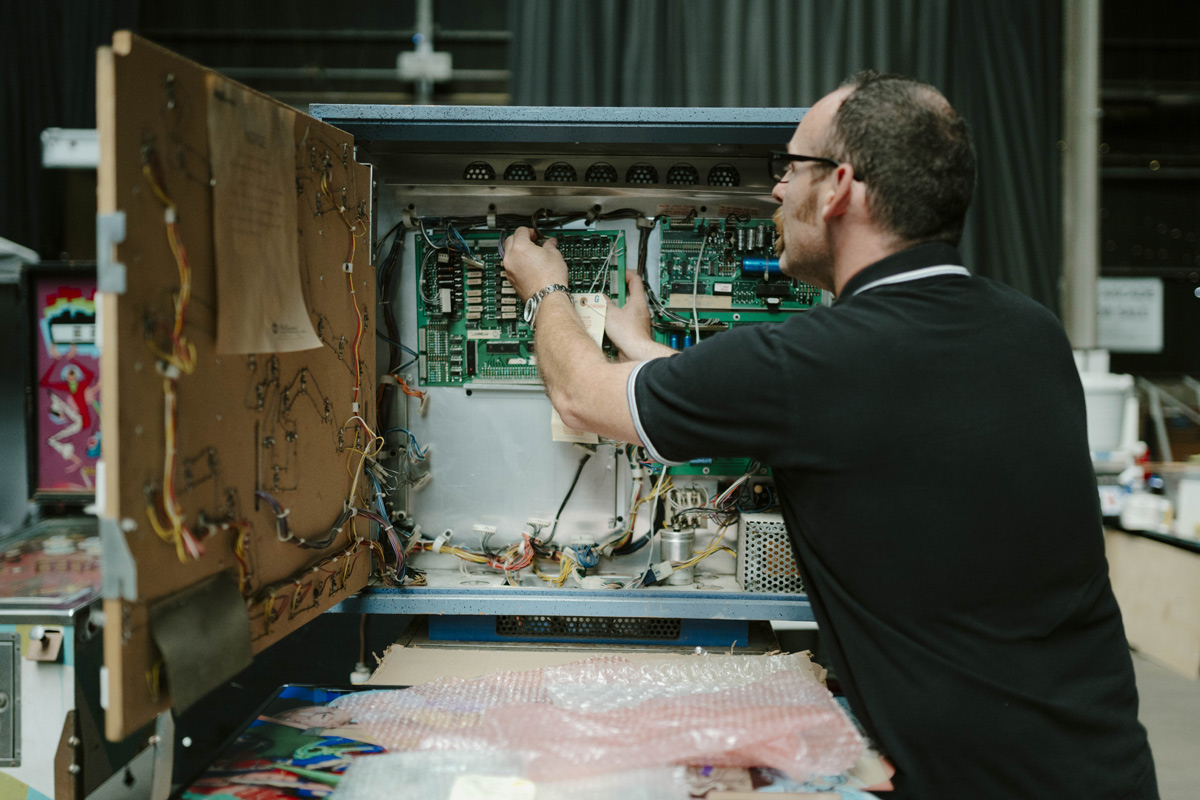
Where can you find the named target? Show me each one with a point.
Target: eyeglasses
(779, 162)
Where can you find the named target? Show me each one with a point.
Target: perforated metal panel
(601, 172)
(641, 173)
(724, 175)
(479, 171)
(527, 627)
(561, 172)
(766, 559)
(683, 175)
(519, 171)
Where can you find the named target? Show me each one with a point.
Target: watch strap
(531, 305)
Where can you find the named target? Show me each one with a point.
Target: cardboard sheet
(260, 304)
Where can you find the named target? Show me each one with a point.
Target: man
(928, 440)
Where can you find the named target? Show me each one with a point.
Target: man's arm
(589, 391)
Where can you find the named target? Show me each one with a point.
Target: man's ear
(837, 202)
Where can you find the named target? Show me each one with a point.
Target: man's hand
(530, 267)
(629, 327)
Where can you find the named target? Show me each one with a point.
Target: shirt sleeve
(728, 397)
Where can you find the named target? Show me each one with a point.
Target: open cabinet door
(237, 375)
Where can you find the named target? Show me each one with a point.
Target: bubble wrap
(609, 715)
(440, 776)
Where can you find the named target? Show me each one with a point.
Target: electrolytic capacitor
(687, 341)
(674, 341)
(760, 266)
(760, 236)
(741, 239)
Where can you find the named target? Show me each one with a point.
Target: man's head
(906, 167)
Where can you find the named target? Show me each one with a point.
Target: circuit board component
(717, 273)
(469, 322)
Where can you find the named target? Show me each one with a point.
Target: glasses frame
(790, 158)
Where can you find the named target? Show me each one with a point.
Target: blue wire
(413, 446)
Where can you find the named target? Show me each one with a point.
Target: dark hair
(912, 150)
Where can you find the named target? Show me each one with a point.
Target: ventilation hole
(601, 173)
(724, 175)
(641, 173)
(534, 626)
(479, 171)
(520, 171)
(561, 172)
(683, 175)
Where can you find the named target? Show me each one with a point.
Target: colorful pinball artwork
(68, 388)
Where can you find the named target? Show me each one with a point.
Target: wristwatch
(531, 305)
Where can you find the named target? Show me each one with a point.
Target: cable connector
(441, 540)
(421, 482)
(167, 370)
(347, 266)
(658, 573)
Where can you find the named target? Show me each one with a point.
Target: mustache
(777, 218)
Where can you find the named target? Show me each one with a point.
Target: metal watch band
(531, 305)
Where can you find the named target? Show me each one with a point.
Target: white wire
(603, 267)
(696, 284)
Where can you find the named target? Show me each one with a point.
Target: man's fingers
(552, 243)
(636, 291)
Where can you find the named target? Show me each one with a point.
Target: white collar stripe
(915, 275)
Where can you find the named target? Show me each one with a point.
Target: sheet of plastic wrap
(608, 715)
(494, 776)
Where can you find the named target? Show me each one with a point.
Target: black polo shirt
(928, 439)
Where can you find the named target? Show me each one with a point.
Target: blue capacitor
(674, 341)
(687, 341)
(759, 266)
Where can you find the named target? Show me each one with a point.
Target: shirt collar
(919, 256)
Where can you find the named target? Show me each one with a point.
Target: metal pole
(424, 39)
(1081, 173)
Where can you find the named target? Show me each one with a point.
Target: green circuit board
(726, 270)
(738, 283)
(469, 319)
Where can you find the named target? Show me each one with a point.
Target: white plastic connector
(360, 675)
(637, 473)
(354, 406)
(422, 482)
(484, 530)
(539, 522)
(662, 570)
(168, 370)
(347, 266)
(169, 214)
(582, 540)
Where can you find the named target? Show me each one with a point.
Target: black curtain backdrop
(48, 64)
(1000, 64)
